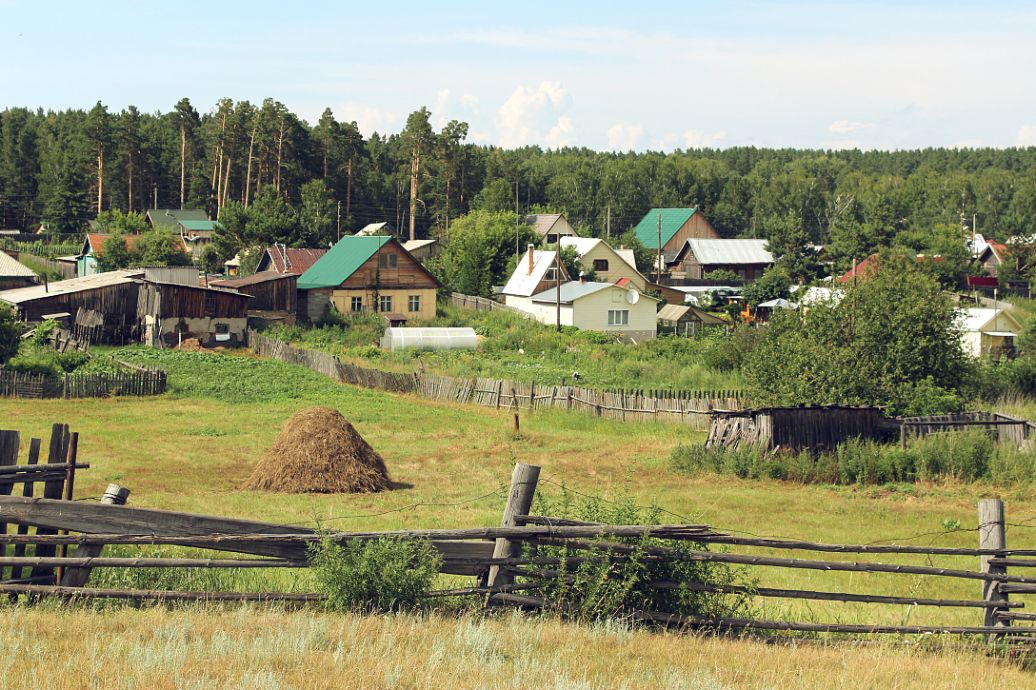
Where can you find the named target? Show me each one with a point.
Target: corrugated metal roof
(523, 282)
(542, 222)
(672, 220)
(172, 216)
(11, 268)
(730, 251)
(571, 291)
(411, 245)
(374, 229)
(254, 279)
(62, 287)
(292, 260)
(200, 225)
(341, 261)
(96, 242)
(672, 312)
(978, 319)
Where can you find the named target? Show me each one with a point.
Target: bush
(600, 588)
(387, 574)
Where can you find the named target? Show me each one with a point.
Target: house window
(385, 303)
(210, 304)
(552, 239)
(600, 264)
(618, 317)
(356, 305)
(414, 303)
(387, 261)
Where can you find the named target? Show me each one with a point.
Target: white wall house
(535, 272)
(986, 331)
(604, 307)
(608, 264)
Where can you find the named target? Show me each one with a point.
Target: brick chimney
(531, 259)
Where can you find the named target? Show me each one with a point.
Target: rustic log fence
(475, 303)
(684, 407)
(1002, 427)
(509, 562)
(136, 382)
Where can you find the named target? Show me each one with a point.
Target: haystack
(319, 451)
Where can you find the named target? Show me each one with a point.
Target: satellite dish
(632, 296)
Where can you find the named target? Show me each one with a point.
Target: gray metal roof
(730, 251)
(11, 268)
(571, 291)
(91, 282)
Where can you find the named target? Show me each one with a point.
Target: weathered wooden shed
(270, 290)
(171, 313)
(796, 428)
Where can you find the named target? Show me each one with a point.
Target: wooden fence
(686, 407)
(139, 382)
(64, 270)
(474, 303)
(516, 563)
(1003, 428)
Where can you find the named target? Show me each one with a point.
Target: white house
(592, 306)
(535, 272)
(987, 331)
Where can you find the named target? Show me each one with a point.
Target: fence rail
(475, 303)
(685, 407)
(16, 384)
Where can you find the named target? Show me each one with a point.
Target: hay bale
(319, 451)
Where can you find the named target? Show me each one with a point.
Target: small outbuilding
(684, 319)
(988, 331)
(169, 314)
(796, 428)
(14, 274)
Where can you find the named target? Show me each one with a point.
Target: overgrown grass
(958, 456)
(516, 348)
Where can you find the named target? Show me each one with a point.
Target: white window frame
(413, 303)
(618, 317)
(384, 300)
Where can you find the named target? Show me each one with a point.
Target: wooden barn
(797, 428)
(271, 291)
(113, 293)
(169, 314)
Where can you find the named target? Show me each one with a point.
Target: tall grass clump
(962, 456)
(596, 585)
(388, 574)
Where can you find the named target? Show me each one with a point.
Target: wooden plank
(991, 535)
(158, 595)
(78, 577)
(10, 441)
(52, 489)
(523, 487)
(19, 549)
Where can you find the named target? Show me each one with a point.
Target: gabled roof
(997, 249)
(199, 225)
(254, 279)
(982, 319)
(675, 312)
(95, 243)
(865, 268)
(523, 282)
(585, 245)
(345, 258)
(412, 245)
(672, 220)
(710, 252)
(12, 268)
(172, 216)
(292, 260)
(542, 222)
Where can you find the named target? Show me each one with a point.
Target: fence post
(77, 577)
(991, 535)
(519, 500)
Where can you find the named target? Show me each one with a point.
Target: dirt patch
(319, 451)
(191, 345)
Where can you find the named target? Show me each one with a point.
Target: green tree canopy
(478, 250)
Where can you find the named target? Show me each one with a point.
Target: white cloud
(560, 134)
(439, 111)
(846, 126)
(697, 139)
(844, 144)
(1026, 136)
(527, 112)
(469, 101)
(624, 136)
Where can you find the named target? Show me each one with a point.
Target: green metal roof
(672, 220)
(172, 216)
(341, 261)
(199, 225)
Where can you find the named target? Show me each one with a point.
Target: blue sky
(618, 76)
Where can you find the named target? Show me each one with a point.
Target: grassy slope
(192, 449)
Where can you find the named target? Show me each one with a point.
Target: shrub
(600, 586)
(387, 574)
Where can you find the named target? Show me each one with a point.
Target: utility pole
(517, 220)
(339, 220)
(608, 224)
(658, 255)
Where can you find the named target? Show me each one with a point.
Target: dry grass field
(194, 448)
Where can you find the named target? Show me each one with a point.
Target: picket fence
(142, 382)
(685, 407)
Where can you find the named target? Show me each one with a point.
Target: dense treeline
(62, 168)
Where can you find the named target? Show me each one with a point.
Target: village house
(196, 235)
(281, 259)
(992, 256)
(93, 249)
(273, 294)
(674, 226)
(169, 313)
(607, 264)
(988, 331)
(423, 249)
(535, 272)
(592, 306)
(368, 274)
(14, 274)
(170, 218)
(684, 319)
(749, 259)
(550, 227)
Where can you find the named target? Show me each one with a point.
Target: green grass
(515, 348)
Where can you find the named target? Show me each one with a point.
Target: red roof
(622, 282)
(292, 260)
(865, 268)
(96, 241)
